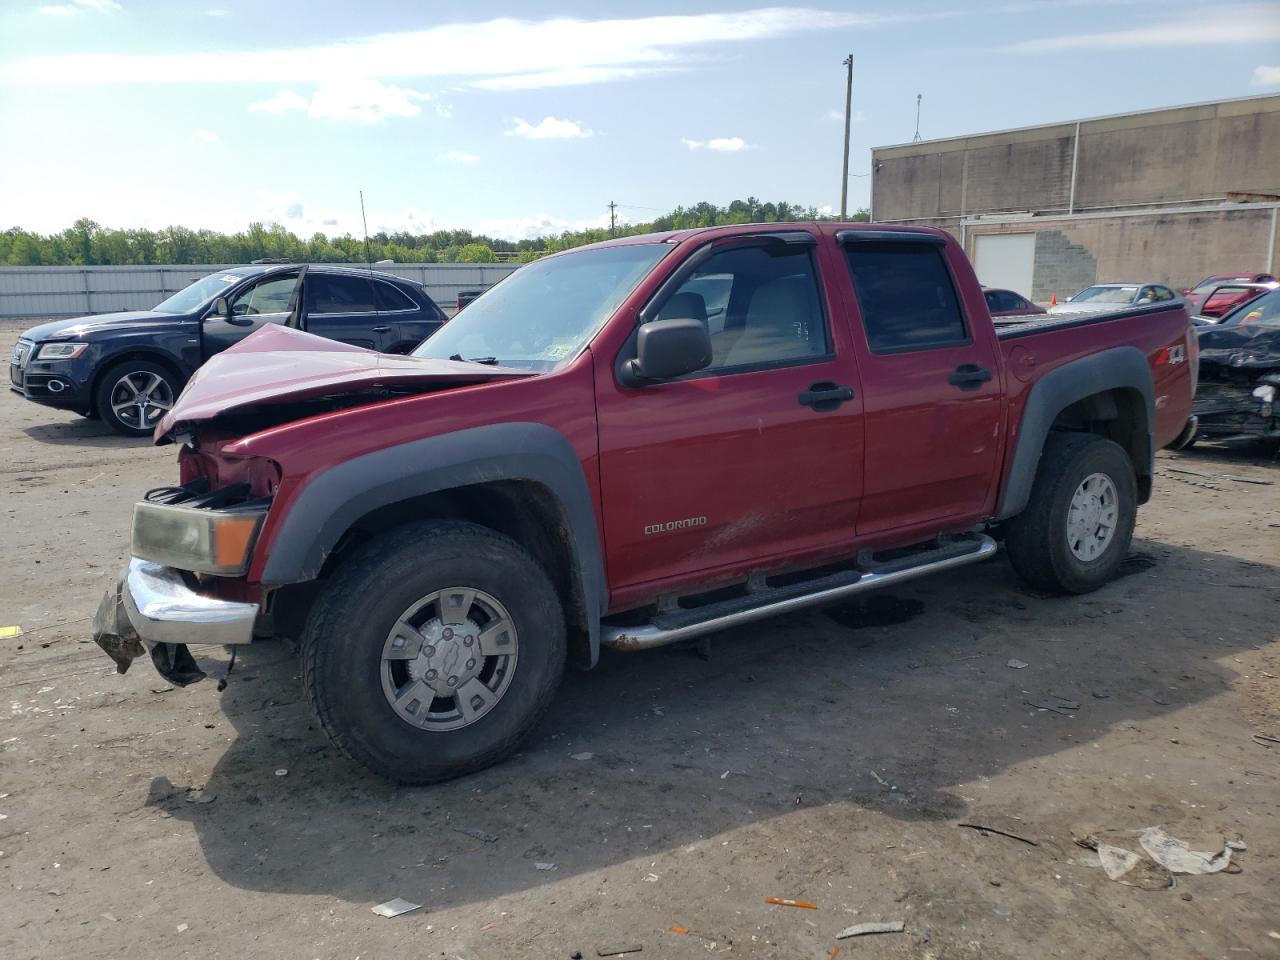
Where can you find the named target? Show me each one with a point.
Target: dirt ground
(834, 757)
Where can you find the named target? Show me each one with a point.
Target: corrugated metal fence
(35, 293)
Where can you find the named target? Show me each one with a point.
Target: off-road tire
(360, 603)
(1036, 540)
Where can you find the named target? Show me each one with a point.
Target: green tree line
(89, 243)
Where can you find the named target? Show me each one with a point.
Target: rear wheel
(434, 650)
(1078, 523)
(134, 395)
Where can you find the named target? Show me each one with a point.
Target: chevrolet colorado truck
(626, 445)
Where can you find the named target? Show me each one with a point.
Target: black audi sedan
(128, 368)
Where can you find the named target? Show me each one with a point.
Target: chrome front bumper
(163, 609)
(153, 611)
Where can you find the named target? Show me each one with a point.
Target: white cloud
(549, 129)
(216, 12)
(75, 6)
(1266, 77)
(358, 99)
(364, 101)
(444, 110)
(282, 102)
(205, 136)
(1224, 27)
(460, 156)
(718, 144)
(570, 77)
(542, 225)
(528, 52)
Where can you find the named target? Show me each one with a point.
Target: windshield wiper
(491, 361)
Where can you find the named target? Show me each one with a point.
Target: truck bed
(1009, 328)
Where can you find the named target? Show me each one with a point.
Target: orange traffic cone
(1053, 300)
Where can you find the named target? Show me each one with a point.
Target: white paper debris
(396, 907)
(1175, 856)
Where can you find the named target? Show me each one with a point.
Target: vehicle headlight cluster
(1267, 394)
(200, 540)
(61, 351)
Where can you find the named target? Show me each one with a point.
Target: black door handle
(969, 376)
(825, 395)
(383, 328)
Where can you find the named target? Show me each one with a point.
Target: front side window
(761, 304)
(906, 296)
(266, 296)
(542, 315)
(335, 293)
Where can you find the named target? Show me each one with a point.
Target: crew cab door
(933, 393)
(267, 299)
(342, 306)
(754, 459)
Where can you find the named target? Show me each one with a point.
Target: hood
(277, 365)
(1246, 346)
(78, 327)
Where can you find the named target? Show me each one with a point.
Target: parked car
(578, 461)
(1218, 301)
(1103, 297)
(1239, 375)
(128, 368)
(464, 298)
(1007, 303)
(1208, 283)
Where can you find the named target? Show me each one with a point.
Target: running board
(676, 625)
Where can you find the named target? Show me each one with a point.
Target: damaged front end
(1239, 392)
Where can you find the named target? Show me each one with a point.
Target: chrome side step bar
(686, 624)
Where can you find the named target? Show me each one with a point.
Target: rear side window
(334, 293)
(388, 297)
(906, 296)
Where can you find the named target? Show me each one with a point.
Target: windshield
(1106, 295)
(1262, 312)
(200, 292)
(545, 313)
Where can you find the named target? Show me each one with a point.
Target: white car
(1112, 296)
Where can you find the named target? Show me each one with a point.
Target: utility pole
(848, 106)
(917, 138)
(613, 219)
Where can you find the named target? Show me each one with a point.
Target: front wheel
(1078, 523)
(134, 395)
(434, 650)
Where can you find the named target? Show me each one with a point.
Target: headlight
(202, 541)
(1266, 393)
(61, 351)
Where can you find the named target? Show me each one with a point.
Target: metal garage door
(1006, 261)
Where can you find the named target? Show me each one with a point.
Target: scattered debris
(1126, 867)
(880, 780)
(618, 950)
(1056, 704)
(1154, 697)
(544, 866)
(183, 928)
(863, 929)
(10, 633)
(199, 796)
(1016, 664)
(1004, 833)
(783, 902)
(1177, 857)
(477, 834)
(650, 878)
(109, 917)
(161, 689)
(682, 931)
(282, 772)
(395, 908)
(1261, 483)
(1237, 845)
(1264, 740)
(1116, 861)
(586, 755)
(831, 954)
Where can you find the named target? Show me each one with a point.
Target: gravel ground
(832, 757)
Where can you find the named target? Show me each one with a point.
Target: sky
(518, 119)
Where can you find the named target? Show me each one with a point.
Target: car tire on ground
(434, 650)
(133, 395)
(1078, 523)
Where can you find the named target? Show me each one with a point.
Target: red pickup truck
(627, 445)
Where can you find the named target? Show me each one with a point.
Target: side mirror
(1144, 301)
(666, 349)
(221, 308)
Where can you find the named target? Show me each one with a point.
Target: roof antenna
(368, 256)
(917, 138)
